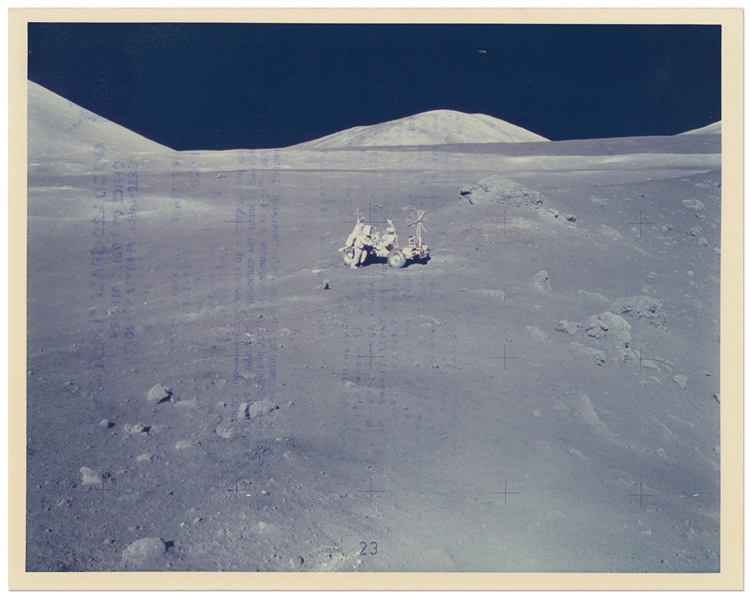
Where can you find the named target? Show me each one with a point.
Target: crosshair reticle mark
(370, 356)
(103, 221)
(237, 491)
(370, 215)
(109, 484)
(505, 222)
(640, 223)
(505, 357)
(370, 491)
(237, 221)
(640, 358)
(506, 493)
(641, 495)
(237, 356)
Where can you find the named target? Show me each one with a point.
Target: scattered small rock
(504, 191)
(144, 553)
(541, 281)
(106, 424)
(571, 218)
(139, 428)
(537, 414)
(716, 396)
(91, 477)
(681, 380)
(182, 445)
(158, 394)
(599, 201)
(642, 307)
(252, 410)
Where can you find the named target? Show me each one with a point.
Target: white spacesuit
(389, 236)
(361, 242)
(355, 232)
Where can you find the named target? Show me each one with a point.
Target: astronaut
(389, 236)
(361, 242)
(355, 232)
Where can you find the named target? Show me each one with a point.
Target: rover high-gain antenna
(415, 220)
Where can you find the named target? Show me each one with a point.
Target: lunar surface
(210, 387)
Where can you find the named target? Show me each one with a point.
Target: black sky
(223, 86)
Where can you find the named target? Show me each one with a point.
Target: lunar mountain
(210, 388)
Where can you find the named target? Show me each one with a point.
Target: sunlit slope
(429, 128)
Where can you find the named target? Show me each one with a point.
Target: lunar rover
(386, 245)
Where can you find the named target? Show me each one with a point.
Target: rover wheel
(397, 259)
(348, 255)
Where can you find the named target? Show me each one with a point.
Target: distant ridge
(59, 130)
(713, 128)
(429, 128)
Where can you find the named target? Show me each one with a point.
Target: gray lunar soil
(210, 388)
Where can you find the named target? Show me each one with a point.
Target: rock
(599, 201)
(716, 396)
(596, 356)
(537, 333)
(252, 410)
(541, 281)
(707, 183)
(182, 445)
(567, 327)
(571, 218)
(503, 191)
(614, 322)
(158, 394)
(144, 553)
(192, 403)
(609, 325)
(693, 204)
(497, 294)
(90, 477)
(551, 214)
(597, 296)
(225, 429)
(139, 428)
(596, 328)
(105, 423)
(643, 308)
(575, 452)
(681, 380)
